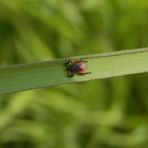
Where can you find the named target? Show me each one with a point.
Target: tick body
(77, 67)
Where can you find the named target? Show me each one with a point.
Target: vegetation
(110, 113)
(51, 73)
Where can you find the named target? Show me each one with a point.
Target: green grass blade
(50, 73)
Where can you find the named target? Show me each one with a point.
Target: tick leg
(68, 63)
(81, 60)
(87, 73)
(82, 74)
(70, 73)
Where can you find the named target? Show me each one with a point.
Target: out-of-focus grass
(105, 113)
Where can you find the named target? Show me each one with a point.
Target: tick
(76, 67)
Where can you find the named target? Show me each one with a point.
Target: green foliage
(51, 73)
(103, 113)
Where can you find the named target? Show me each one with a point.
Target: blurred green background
(110, 113)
